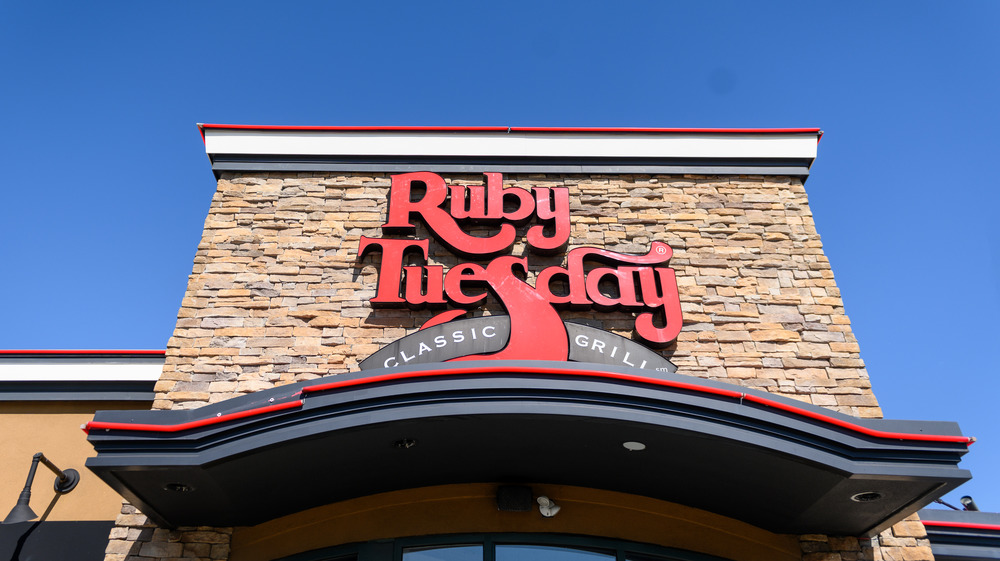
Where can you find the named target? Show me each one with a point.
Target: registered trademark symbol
(660, 249)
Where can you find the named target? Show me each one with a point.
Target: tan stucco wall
(53, 428)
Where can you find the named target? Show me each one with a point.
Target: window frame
(391, 549)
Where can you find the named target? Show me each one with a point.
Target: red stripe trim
(341, 384)
(516, 370)
(191, 424)
(852, 426)
(512, 129)
(653, 381)
(81, 352)
(667, 130)
(969, 525)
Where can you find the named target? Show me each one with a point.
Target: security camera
(547, 507)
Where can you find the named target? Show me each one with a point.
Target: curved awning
(773, 462)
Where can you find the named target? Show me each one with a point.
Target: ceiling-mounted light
(633, 446)
(65, 482)
(547, 507)
(866, 497)
(405, 443)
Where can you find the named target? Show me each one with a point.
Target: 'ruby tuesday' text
(643, 287)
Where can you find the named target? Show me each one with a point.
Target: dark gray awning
(959, 535)
(773, 462)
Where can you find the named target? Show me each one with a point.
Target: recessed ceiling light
(633, 446)
(866, 497)
(405, 443)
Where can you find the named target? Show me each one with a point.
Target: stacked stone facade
(278, 295)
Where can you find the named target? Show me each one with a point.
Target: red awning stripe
(969, 525)
(856, 427)
(514, 370)
(666, 383)
(674, 384)
(143, 427)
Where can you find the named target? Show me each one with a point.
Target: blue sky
(106, 184)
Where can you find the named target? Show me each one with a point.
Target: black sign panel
(481, 335)
(490, 334)
(588, 344)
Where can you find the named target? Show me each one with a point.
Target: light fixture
(633, 446)
(65, 482)
(968, 503)
(547, 507)
(405, 443)
(866, 497)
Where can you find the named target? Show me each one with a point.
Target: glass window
(444, 553)
(630, 556)
(512, 552)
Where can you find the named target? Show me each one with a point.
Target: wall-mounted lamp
(65, 482)
(968, 503)
(547, 507)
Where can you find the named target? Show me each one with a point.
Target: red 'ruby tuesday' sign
(592, 278)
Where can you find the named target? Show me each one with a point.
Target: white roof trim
(49, 371)
(510, 144)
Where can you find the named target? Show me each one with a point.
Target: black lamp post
(65, 482)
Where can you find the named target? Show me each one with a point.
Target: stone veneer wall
(277, 295)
